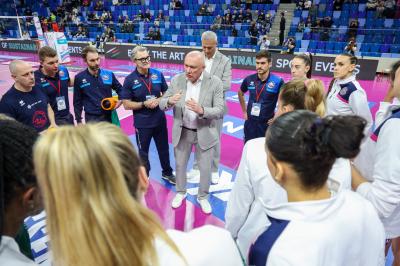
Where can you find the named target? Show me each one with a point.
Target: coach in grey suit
(197, 101)
(218, 65)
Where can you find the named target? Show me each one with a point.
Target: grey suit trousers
(216, 148)
(182, 153)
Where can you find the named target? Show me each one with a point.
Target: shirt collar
(141, 75)
(199, 80)
(213, 57)
(347, 80)
(48, 77)
(90, 74)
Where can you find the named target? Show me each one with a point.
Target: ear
(288, 108)
(29, 199)
(307, 69)
(352, 67)
(279, 172)
(143, 179)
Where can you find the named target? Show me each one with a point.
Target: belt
(191, 129)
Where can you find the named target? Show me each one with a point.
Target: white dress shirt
(192, 91)
(209, 62)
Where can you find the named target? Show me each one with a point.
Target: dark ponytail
(393, 70)
(311, 144)
(16, 164)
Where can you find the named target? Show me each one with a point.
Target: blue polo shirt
(139, 88)
(29, 108)
(54, 88)
(90, 90)
(267, 91)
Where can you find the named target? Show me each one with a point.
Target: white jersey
(341, 230)
(253, 180)
(379, 162)
(207, 245)
(347, 97)
(10, 254)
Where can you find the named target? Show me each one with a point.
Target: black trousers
(160, 136)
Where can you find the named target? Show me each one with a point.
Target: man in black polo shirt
(141, 93)
(54, 80)
(24, 101)
(91, 86)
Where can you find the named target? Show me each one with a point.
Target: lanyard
(148, 86)
(59, 86)
(258, 94)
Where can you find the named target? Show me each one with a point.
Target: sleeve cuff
(364, 188)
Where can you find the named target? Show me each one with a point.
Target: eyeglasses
(144, 59)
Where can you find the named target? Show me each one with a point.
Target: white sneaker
(205, 205)
(178, 199)
(215, 177)
(193, 175)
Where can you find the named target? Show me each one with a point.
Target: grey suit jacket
(222, 68)
(211, 98)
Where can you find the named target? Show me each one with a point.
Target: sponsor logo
(343, 91)
(251, 83)
(154, 77)
(84, 81)
(21, 103)
(271, 85)
(136, 82)
(105, 77)
(39, 119)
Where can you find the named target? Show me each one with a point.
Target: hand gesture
(175, 98)
(194, 106)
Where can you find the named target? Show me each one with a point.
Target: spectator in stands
(390, 10)
(337, 5)
(127, 27)
(115, 2)
(217, 23)
(248, 17)
(178, 4)
(301, 26)
(240, 16)
(312, 13)
(203, 10)
(260, 16)
(380, 9)
(147, 15)
(317, 26)
(327, 22)
(99, 6)
(264, 43)
(160, 16)
(227, 20)
(234, 32)
(282, 26)
(236, 4)
(300, 5)
(85, 2)
(353, 28)
(81, 33)
(121, 19)
(253, 32)
(2, 28)
(307, 5)
(26, 36)
(372, 4)
(289, 46)
(351, 47)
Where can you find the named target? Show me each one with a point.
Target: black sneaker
(170, 178)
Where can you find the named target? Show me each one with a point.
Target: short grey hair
(209, 35)
(137, 49)
(197, 54)
(14, 66)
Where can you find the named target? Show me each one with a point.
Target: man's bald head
(16, 65)
(194, 65)
(22, 73)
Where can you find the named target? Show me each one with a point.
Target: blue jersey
(55, 88)
(264, 93)
(29, 108)
(139, 88)
(90, 90)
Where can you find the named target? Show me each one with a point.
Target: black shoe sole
(167, 179)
